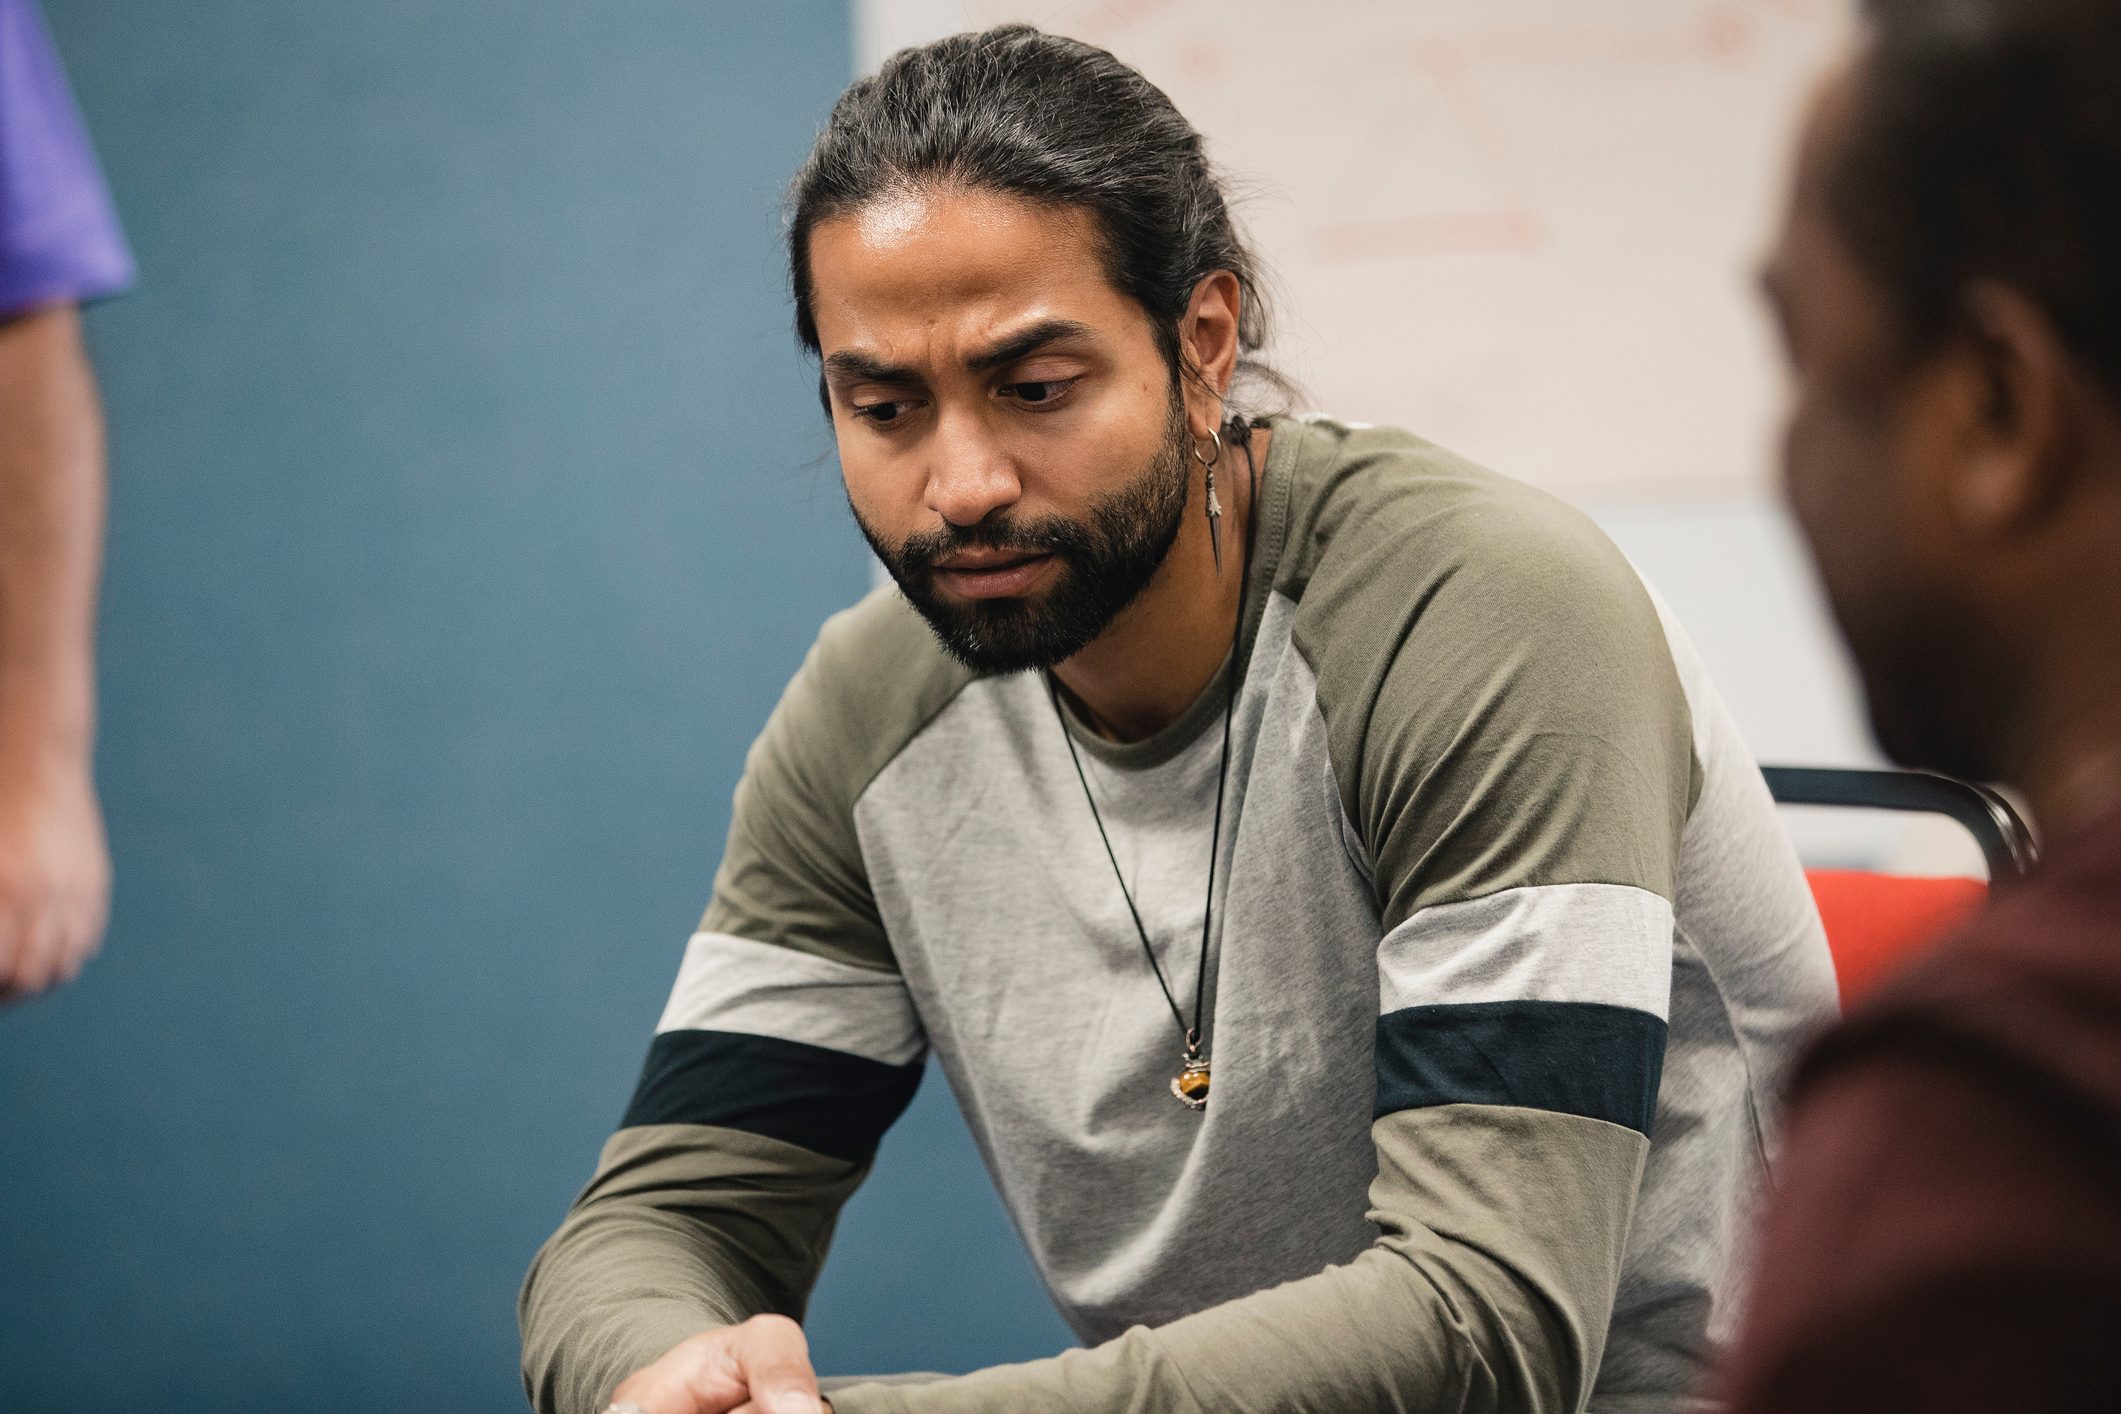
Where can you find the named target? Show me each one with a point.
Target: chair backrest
(1876, 923)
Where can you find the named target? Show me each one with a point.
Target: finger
(697, 1376)
(10, 950)
(775, 1358)
(82, 934)
(74, 946)
(40, 952)
(86, 918)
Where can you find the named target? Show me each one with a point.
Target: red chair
(1876, 923)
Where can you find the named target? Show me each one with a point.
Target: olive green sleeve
(788, 1046)
(1500, 699)
(684, 1227)
(1500, 1237)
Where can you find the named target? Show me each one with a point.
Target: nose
(970, 474)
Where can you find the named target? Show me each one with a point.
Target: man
(1251, 816)
(59, 246)
(1947, 1230)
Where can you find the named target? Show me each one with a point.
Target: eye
(1038, 393)
(884, 414)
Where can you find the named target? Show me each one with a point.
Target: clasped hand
(759, 1367)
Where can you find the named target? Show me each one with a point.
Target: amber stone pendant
(1191, 1085)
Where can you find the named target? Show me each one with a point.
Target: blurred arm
(54, 867)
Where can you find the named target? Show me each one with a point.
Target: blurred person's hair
(1020, 112)
(1985, 144)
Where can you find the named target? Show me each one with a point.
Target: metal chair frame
(2005, 842)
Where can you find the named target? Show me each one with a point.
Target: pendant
(1215, 523)
(1190, 1085)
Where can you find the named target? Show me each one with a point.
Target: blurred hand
(54, 874)
(759, 1367)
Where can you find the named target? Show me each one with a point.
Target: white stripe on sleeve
(729, 983)
(1607, 943)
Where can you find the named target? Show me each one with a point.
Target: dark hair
(1985, 143)
(1050, 119)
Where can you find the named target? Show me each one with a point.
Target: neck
(1162, 651)
(2070, 767)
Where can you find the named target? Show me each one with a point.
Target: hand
(759, 1367)
(54, 875)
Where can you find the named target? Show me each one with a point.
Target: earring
(1215, 507)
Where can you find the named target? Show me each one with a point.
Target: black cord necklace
(1190, 1085)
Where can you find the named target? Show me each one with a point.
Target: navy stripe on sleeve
(1579, 1058)
(827, 1101)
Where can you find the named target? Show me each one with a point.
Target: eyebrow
(1025, 342)
(848, 365)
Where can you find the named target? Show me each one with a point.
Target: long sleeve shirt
(1508, 958)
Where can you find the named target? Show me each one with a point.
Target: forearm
(51, 531)
(1394, 1330)
(609, 1295)
(1495, 1298)
(682, 1229)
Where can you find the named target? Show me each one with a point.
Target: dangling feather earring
(1215, 506)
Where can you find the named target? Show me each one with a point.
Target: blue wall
(471, 508)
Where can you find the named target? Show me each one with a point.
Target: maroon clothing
(1946, 1231)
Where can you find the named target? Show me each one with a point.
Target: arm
(54, 865)
(1515, 754)
(684, 1228)
(1485, 1290)
(788, 1047)
(59, 245)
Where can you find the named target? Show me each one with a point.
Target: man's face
(1013, 441)
(1871, 443)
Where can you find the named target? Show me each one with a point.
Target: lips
(993, 574)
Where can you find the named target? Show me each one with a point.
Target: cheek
(1814, 463)
(882, 491)
(1838, 479)
(1079, 456)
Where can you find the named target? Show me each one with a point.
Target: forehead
(1827, 123)
(932, 264)
(1810, 261)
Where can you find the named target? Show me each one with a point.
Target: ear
(2027, 400)
(1208, 344)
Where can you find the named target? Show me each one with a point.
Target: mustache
(1047, 535)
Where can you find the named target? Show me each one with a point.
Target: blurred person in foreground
(59, 246)
(1191, 737)
(1947, 1231)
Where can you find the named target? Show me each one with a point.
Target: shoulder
(59, 238)
(793, 870)
(1501, 704)
(1395, 544)
(875, 677)
(1354, 487)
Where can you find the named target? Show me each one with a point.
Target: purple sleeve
(59, 239)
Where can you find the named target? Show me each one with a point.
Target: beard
(1106, 560)
(1941, 695)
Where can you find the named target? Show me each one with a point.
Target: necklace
(1190, 1085)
